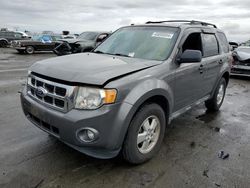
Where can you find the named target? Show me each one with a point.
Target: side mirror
(190, 56)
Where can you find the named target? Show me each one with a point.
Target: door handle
(201, 69)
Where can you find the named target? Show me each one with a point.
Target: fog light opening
(87, 135)
(90, 135)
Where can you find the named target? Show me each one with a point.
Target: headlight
(93, 98)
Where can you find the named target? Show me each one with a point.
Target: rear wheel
(216, 101)
(29, 50)
(145, 134)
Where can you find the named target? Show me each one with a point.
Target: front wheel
(29, 50)
(216, 101)
(145, 134)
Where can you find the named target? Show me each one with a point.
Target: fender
(137, 96)
(225, 69)
(147, 89)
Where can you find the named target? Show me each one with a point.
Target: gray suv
(120, 97)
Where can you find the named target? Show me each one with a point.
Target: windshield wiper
(124, 55)
(117, 54)
(98, 52)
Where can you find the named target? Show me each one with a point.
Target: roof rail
(184, 21)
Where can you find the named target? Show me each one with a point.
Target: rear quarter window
(210, 45)
(223, 42)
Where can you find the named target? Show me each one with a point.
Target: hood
(90, 68)
(242, 56)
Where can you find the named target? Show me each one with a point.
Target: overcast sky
(233, 16)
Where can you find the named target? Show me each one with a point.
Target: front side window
(144, 42)
(56, 37)
(18, 35)
(210, 45)
(193, 42)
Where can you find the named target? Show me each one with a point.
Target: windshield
(88, 35)
(56, 37)
(153, 43)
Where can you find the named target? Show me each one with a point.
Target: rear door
(212, 61)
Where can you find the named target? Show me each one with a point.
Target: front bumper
(17, 47)
(240, 70)
(111, 121)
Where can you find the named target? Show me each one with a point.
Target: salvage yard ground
(188, 157)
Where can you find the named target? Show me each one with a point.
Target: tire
(3, 43)
(29, 49)
(216, 101)
(135, 151)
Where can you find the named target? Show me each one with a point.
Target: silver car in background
(241, 63)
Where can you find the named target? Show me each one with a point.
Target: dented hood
(90, 68)
(243, 53)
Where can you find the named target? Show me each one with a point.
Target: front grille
(44, 125)
(52, 94)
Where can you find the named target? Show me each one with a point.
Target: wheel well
(161, 101)
(5, 40)
(226, 76)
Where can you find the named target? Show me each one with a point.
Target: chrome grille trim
(55, 99)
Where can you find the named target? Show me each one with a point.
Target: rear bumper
(110, 121)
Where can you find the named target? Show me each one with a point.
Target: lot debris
(223, 155)
(192, 144)
(217, 185)
(205, 173)
(39, 183)
(217, 129)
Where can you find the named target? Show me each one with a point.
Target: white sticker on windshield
(131, 54)
(163, 35)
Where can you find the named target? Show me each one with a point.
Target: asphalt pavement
(191, 155)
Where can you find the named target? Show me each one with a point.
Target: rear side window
(223, 42)
(210, 45)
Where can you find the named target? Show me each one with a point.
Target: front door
(189, 79)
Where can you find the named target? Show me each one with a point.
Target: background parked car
(38, 43)
(7, 36)
(86, 42)
(241, 63)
